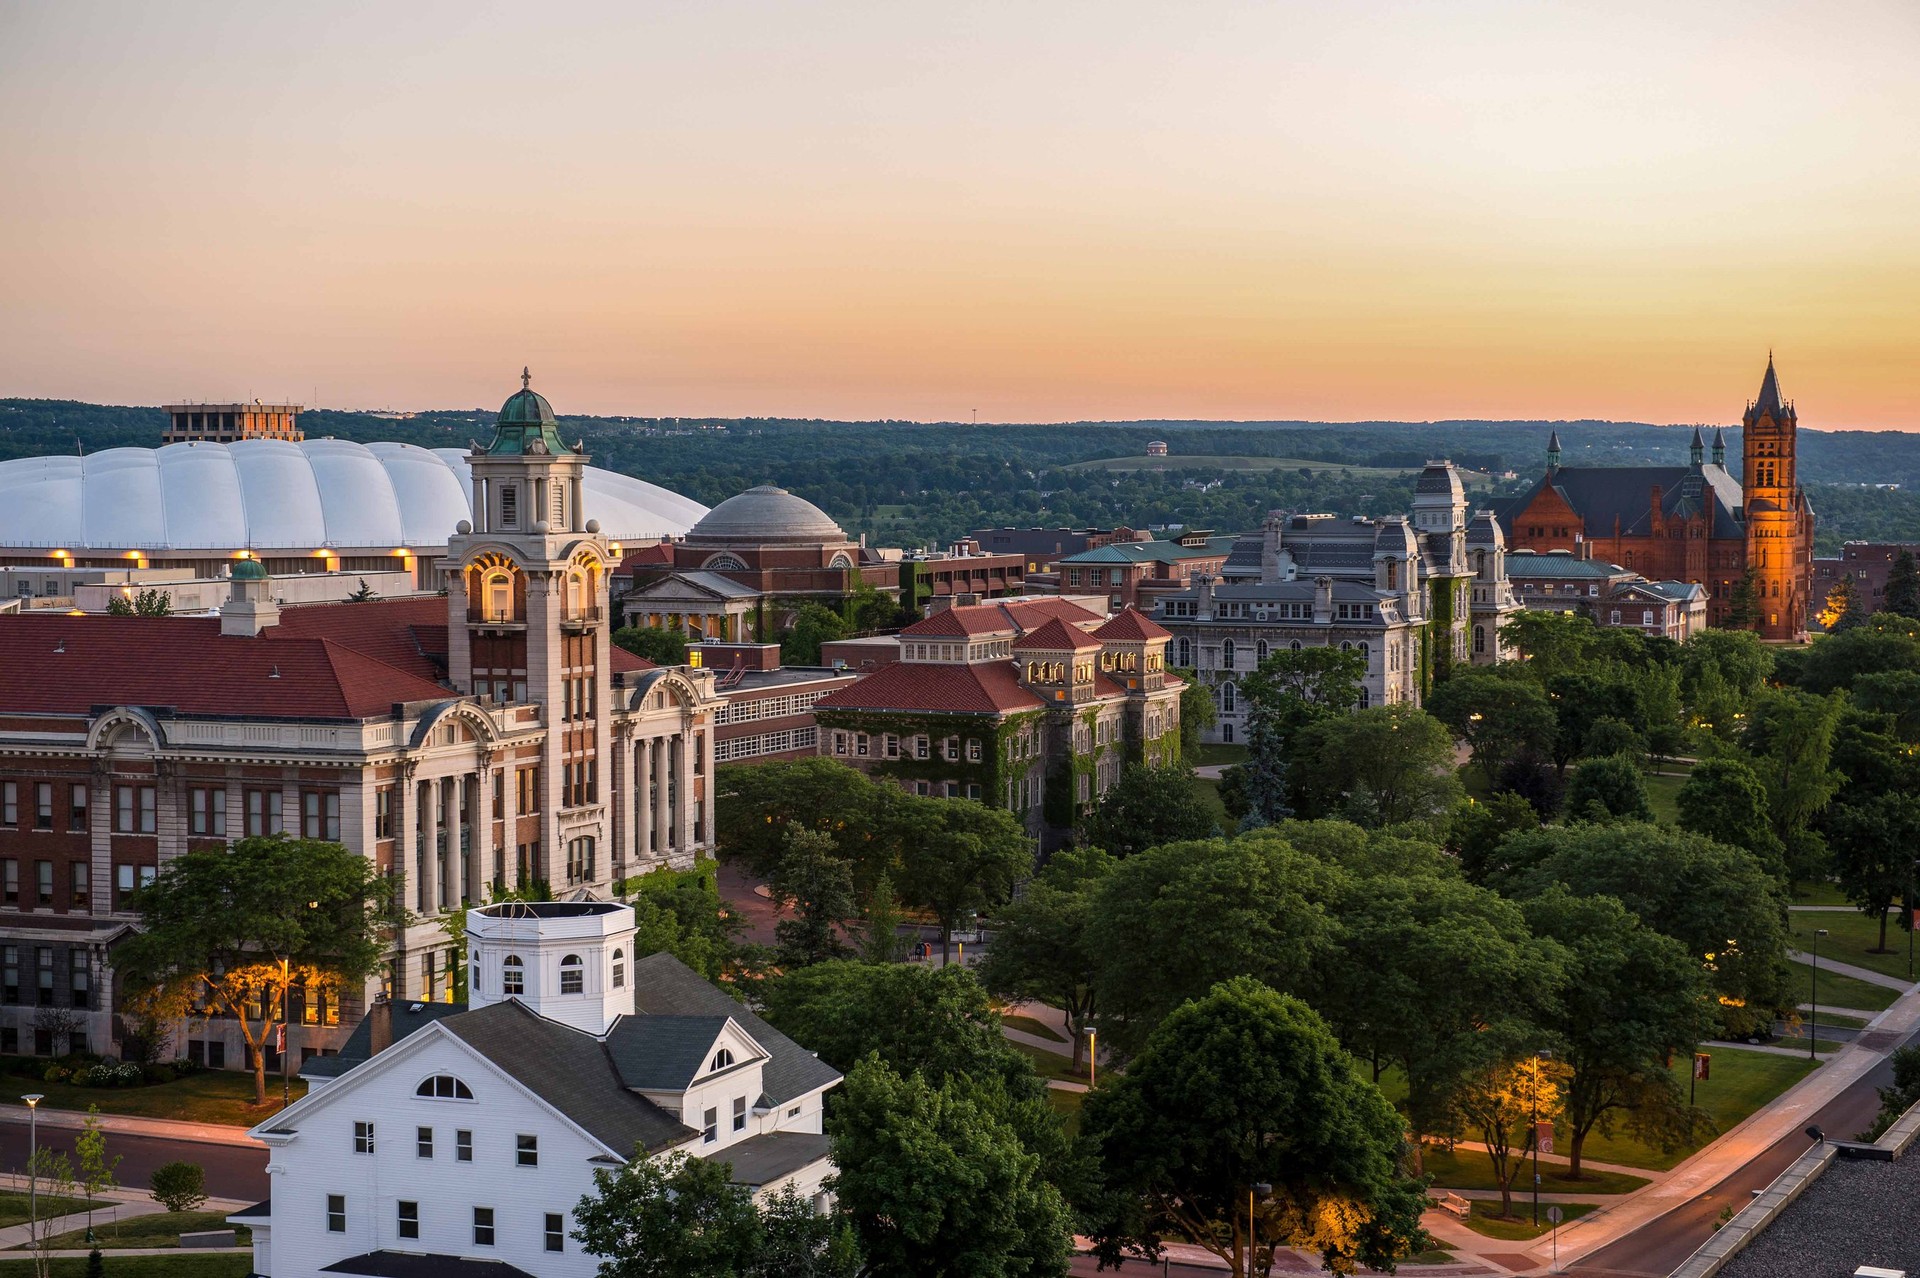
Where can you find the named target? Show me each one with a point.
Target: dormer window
(572, 975)
(722, 1059)
(443, 1087)
(513, 976)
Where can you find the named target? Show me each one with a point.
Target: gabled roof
(405, 1019)
(1527, 563)
(1130, 625)
(1601, 494)
(419, 1264)
(700, 581)
(664, 986)
(1056, 636)
(1160, 552)
(400, 632)
(571, 1071)
(663, 1053)
(1018, 615)
(981, 687)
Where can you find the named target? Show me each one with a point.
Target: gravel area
(1856, 1213)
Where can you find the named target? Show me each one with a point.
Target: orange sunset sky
(1037, 210)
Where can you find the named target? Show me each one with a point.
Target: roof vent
(61, 646)
(274, 673)
(1875, 1271)
(416, 1007)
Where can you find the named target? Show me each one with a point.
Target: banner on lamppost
(1702, 1065)
(1543, 1136)
(280, 1038)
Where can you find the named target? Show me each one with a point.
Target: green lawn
(1068, 1104)
(1209, 792)
(1049, 1064)
(1741, 1082)
(1471, 1169)
(1822, 893)
(211, 1096)
(1662, 793)
(1850, 939)
(1841, 991)
(1211, 752)
(1486, 1219)
(156, 1229)
(1026, 1024)
(201, 1264)
(13, 1207)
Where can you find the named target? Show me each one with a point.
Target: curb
(130, 1125)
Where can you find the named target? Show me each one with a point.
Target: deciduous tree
(1608, 789)
(660, 646)
(670, 1216)
(817, 886)
(1501, 717)
(1723, 799)
(1500, 1104)
(1040, 945)
(1148, 806)
(963, 858)
(236, 927)
(1248, 1085)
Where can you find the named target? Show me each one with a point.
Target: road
(233, 1171)
(1658, 1248)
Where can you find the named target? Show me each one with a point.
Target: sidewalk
(1788, 1113)
(1866, 974)
(129, 1125)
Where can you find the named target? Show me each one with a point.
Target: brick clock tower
(1779, 520)
(526, 622)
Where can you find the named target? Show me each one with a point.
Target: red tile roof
(620, 659)
(408, 634)
(1130, 625)
(1056, 636)
(1019, 615)
(62, 664)
(981, 688)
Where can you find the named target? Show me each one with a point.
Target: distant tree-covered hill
(907, 483)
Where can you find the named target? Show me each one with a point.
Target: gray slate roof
(1858, 1212)
(763, 1159)
(409, 1264)
(1603, 494)
(407, 1018)
(664, 986)
(573, 1072)
(1531, 565)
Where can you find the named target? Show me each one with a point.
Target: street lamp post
(1093, 1046)
(286, 1084)
(33, 1100)
(1813, 1024)
(1262, 1190)
(1542, 1055)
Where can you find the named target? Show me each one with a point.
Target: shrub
(179, 1186)
(55, 1074)
(160, 1074)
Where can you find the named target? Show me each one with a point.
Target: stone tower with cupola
(1779, 520)
(526, 625)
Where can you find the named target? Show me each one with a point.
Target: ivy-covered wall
(996, 765)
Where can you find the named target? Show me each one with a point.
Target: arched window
(1366, 651)
(1228, 697)
(1226, 654)
(1185, 653)
(1294, 646)
(619, 969)
(1260, 652)
(575, 590)
(1346, 645)
(722, 1059)
(1366, 699)
(1479, 638)
(513, 976)
(572, 975)
(443, 1087)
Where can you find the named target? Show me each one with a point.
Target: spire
(1719, 448)
(1553, 451)
(1696, 449)
(1769, 402)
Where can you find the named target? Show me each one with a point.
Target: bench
(1453, 1204)
(210, 1238)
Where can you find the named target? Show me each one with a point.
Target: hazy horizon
(1491, 210)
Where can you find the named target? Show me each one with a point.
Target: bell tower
(526, 624)
(1778, 535)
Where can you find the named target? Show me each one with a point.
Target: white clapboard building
(454, 1142)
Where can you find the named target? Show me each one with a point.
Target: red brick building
(1702, 523)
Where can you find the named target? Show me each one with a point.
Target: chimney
(379, 1026)
(1322, 600)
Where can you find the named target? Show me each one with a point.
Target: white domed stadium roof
(765, 514)
(264, 494)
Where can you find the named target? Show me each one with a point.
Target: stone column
(683, 762)
(450, 831)
(510, 826)
(662, 812)
(641, 789)
(99, 839)
(429, 894)
(485, 864)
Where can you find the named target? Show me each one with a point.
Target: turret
(1439, 499)
(1719, 448)
(1553, 452)
(1057, 661)
(1696, 451)
(250, 607)
(569, 961)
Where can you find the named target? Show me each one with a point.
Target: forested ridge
(923, 483)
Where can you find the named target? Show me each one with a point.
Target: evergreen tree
(1903, 588)
(1842, 610)
(1743, 606)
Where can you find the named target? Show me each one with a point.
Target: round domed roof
(249, 570)
(765, 514)
(526, 423)
(526, 408)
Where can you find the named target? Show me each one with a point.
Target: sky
(1029, 211)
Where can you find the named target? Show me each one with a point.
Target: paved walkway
(1788, 1113)
(1866, 974)
(134, 1125)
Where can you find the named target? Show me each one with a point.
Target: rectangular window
(739, 1113)
(207, 812)
(80, 978)
(10, 874)
(407, 1220)
(483, 1226)
(43, 882)
(10, 803)
(383, 812)
(710, 1126)
(146, 809)
(43, 806)
(363, 1138)
(526, 1151)
(264, 812)
(336, 1213)
(81, 895)
(11, 989)
(122, 809)
(423, 1142)
(44, 964)
(556, 1231)
(462, 1146)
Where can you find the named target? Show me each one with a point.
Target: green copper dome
(249, 570)
(526, 423)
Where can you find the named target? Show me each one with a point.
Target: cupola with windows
(569, 961)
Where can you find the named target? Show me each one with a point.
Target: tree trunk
(1884, 911)
(1506, 1193)
(259, 1067)
(1576, 1141)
